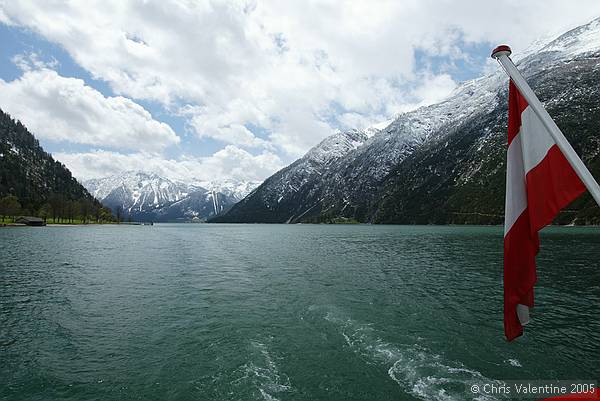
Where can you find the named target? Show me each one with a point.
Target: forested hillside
(33, 183)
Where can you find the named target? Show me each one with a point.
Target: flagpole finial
(502, 50)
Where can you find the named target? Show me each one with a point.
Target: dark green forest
(32, 183)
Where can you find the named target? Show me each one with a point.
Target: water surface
(284, 312)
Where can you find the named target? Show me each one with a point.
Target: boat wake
(419, 371)
(262, 373)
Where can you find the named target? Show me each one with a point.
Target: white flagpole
(502, 53)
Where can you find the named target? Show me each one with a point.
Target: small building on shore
(30, 221)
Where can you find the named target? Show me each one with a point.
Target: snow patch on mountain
(347, 173)
(234, 188)
(581, 40)
(149, 196)
(338, 145)
(144, 188)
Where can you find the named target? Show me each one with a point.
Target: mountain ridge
(443, 163)
(148, 196)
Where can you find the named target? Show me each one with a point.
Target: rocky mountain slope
(144, 196)
(443, 163)
(236, 189)
(293, 192)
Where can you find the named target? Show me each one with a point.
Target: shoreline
(14, 225)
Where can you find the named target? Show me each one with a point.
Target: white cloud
(297, 70)
(431, 89)
(65, 109)
(434, 88)
(228, 163)
(264, 62)
(218, 125)
(3, 18)
(32, 61)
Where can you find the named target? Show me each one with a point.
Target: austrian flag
(539, 183)
(543, 175)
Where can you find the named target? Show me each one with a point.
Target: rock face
(291, 194)
(149, 197)
(443, 163)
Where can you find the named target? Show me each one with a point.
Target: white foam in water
(515, 363)
(267, 396)
(267, 376)
(257, 379)
(417, 370)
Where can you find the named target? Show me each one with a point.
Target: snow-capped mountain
(235, 189)
(285, 194)
(440, 163)
(146, 196)
(138, 190)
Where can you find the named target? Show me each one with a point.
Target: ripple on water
(219, 312)
(514, 362)
(419, 371)
(259, 378)
(264, 373)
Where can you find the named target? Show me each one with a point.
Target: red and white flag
(539, 183)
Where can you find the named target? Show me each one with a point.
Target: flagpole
(502, 53)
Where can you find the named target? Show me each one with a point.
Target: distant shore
(13, 225)
(76, 224)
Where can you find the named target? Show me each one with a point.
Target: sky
(217, 90)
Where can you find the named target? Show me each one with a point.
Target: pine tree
(45, 211)
(9, 206)
(35, 178)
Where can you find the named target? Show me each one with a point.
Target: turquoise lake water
(284, 312)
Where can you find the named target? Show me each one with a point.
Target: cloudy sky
(238, 89)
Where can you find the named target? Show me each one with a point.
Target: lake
(284, 312)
